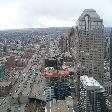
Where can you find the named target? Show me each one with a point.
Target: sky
(16, 14)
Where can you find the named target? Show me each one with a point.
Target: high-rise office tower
(92, 98)
(111, 56)
(89, 44)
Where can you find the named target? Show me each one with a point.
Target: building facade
(107, 49)
(49, 93)
(5, 87)
(66, 42)
(89, 44)
(111, 56)
(92, 98)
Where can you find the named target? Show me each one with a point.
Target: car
(16, 91)
(10, 94)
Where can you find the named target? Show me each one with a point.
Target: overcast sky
(49, 13)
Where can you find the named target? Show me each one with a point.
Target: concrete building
(109, 103)
(5, 87)
(108, 87)
(57, 106)
(71, 39)
(111, 55)
(49, 93)
(63, 43)
(10, 62)
(89, 44)
(107, 49)
(92, 97)
(66, 41)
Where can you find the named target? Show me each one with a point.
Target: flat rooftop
(50, 72)
(90, 83)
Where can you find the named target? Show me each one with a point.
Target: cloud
(45, 13)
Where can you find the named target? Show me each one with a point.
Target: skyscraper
(89, 44)
(92, 98)
(111, 56)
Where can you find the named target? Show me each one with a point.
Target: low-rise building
(5, 88)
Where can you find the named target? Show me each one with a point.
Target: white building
(49, 93)
(92, 97)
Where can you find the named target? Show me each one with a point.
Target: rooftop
(90, 83)
(91, 12)
(50, 72)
